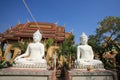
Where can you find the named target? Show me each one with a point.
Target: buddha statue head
(37, 36)
(83, 39)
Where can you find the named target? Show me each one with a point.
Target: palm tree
(49, 59)
(68, 50)
(49, 42)
(21, 45)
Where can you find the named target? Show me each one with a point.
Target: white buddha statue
(33, 57)
(85, 55)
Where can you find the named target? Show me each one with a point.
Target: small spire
(19, 22)
(28, 20)
(56, 23)
(10, 27)
(72, 30)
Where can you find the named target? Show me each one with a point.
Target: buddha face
(83, 40)
(36, 38)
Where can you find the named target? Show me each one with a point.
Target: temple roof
(48, 30)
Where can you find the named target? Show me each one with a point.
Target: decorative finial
(72, 30)
(27, 20)
(19, 22)
(56, 23)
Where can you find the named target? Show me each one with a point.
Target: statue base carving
(42, 66)
(89, 65)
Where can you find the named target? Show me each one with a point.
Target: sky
(76, 15)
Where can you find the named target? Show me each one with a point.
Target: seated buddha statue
(33, 57)
(85, 55)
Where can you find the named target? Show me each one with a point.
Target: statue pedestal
(40, 66)
(93, 75)
(25, 74)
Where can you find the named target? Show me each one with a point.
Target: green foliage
(68, 51)
(4, 64)
(67, 47)
(49, 42)
(107, 35)
(95, 43)
(21, 45)
(109, 26)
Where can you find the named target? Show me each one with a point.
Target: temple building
(25, 32)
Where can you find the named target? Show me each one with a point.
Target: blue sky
(77, 15)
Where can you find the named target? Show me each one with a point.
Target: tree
(107, 35)
(96, 46)
(109, 26)
(21, 45)
(49, 59)
(68, 50)
(49, 42)
(108, 29)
